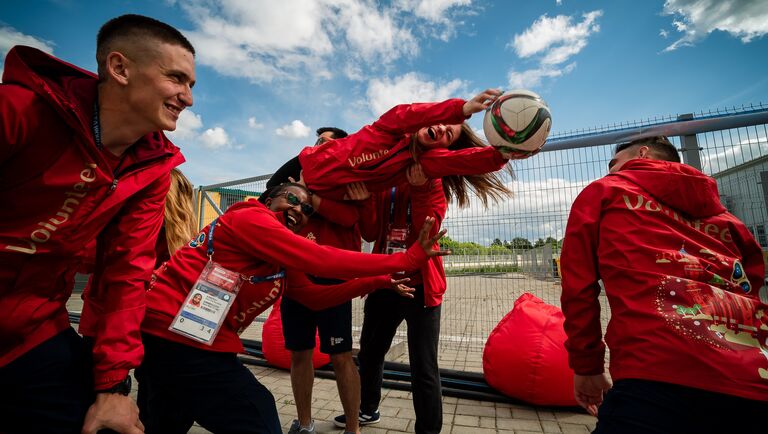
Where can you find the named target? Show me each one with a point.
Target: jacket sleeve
(343, 214)
(319, 297)
(369, 218)
(262, 236)
(20, 113)
(579, 265)
(428, 200)
(441, 162)
(409, 118)
(126, 256)
(751, 256)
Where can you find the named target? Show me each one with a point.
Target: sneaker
(297, 429)
(362, 419)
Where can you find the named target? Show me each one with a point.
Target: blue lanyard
(96, 124)
(392, 209)
(253, 279)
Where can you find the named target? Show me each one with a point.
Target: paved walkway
(460, 416)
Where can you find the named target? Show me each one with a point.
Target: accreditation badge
(205, 308)
(396, 242)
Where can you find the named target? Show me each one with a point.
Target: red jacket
(682, 277)
(378, 154)
(63, 194)
(426, 201)
(251, 240)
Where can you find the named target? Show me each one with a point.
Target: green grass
(453, 271)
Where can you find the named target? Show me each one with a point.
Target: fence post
(690, 146)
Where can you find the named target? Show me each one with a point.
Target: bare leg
(302, 381)
(348, 382)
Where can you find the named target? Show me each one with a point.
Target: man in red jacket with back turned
(683, 277)
(81, 158)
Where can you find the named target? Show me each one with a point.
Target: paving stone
(457, 429)
(475, 410)
(524, 413)
(488, 422)
(396, 402)
(550, 426)
(572, 428)
(460, 419)
(519, 424)
(575, 418)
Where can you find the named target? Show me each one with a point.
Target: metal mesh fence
(512, 247)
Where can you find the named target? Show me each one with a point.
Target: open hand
(427, 243)
(415, 175)
(357, 191)
(398, 286)
(481, 101)
(589, 390)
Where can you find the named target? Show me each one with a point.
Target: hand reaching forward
(428, 242)
(398, 286)
(481, 101)
(589, 390)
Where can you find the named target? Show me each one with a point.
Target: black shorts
(334, 325)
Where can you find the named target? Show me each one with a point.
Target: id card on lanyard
(208, 302)
(397, 237)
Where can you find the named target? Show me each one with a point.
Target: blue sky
(269, 73)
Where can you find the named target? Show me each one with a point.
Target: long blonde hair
(487, 186)
(180, 225)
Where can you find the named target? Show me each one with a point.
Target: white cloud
(744, 19)
(442, 16)
(10, 37)
(189, 132)
(532, 78)
(663, 33)
(556, 36)
(553, 41)
(294, 130)
(187, 127)
(215, 138)
(252, 123)
(383, 94)
(256, 40)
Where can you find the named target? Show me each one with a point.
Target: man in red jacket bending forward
(81, 158)
(683, 277)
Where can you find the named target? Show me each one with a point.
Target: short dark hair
(338, 133)
(660, 146)
(135, 26)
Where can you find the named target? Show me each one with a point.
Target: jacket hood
(71, 91)
(677, 185)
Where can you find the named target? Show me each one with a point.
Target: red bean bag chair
(273, 343)
(525, 355)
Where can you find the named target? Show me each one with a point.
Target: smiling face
(290, 202)
(159, 85)
(438, 136)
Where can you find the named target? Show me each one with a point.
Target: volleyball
(517, 123)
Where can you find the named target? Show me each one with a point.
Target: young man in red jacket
(83, 157)
(683, 277)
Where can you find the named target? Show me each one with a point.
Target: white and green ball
(519, 120)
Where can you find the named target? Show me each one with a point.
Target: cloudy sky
(270, 73)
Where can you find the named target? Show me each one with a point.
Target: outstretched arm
(267, 240)
(319, 297)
